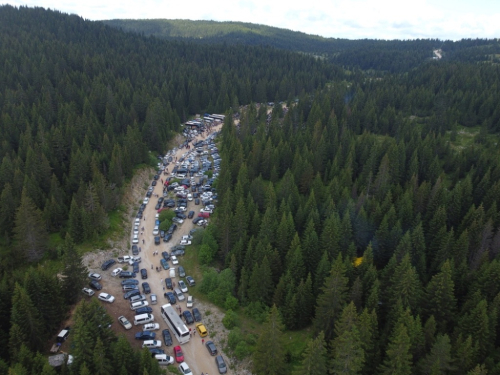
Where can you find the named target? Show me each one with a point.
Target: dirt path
(195, 353)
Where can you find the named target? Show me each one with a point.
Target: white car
(179, 188)
(185, 242)
(137, 221)
(189, 302)
(206, 209)
(181, 209)
(124, 259)
(157, 216)
(201, 223)
(151, 327)
(156, 230)
(106, 297)
(116, 272)
(187, 237)
(182, 286)
(135, 239)
(184, 369)
(177, 220)
(190, 197)
(136, 231)
(164, 360)
(88, 292)
(94, 276)
(174, 259)
(146, 200)
(124, 322)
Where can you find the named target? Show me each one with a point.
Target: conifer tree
(398, 357)
(269, 355)
(331, 301)
(314, 360)
(439, 360)
(440, 298)
(75, 273)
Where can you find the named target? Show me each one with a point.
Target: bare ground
(196, 355)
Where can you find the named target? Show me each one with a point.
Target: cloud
(354, 19)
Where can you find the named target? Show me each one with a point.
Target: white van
(143, 319)
(138, 304)
(151, 344)
(171, 272)
(164, 360)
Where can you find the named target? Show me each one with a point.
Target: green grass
(295, 344)
(462, 137)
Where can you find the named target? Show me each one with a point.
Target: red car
(179, 357)
(204, 215)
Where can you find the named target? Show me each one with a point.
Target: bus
(175, 323)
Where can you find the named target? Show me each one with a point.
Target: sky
(351, 19)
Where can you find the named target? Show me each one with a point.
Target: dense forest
(81, 105)
(395, 56)
(360, 215)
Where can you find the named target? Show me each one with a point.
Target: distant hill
(393, 56)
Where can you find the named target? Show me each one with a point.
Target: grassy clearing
(462, 137)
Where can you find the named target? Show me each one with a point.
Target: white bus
(175, 323)
(218, 117)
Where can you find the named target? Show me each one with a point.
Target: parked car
(211, 348)
(116, 271)
(184, 369)
(154, 299)
(168, 283)
(196, 315)
(144, 273)
(165, 255)
(135, 250)
(146, 288)
(201, 329)
(151, 327)
(124, 322)
(171, 297)
(189, 302)
(131, 293)
(164, 360)
(130, 282)
(182, 286)
(135, 266)
(164, 264)
(174, 259)
(182, 272)
(88, 292)
(107, 264)
(167, 237)
(145, 335)
(143, 310)
(178, 252)
(190, 281)
(127, 275)
(221, 365)
(95, 285)
(106, 297)
(94, 276)
(137, 298)
(179, 356)
(156, 351)
(167, 337)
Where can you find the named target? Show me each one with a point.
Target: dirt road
(195, 353)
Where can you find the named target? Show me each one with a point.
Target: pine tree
(269, 355)
(398, 357)
(75, 273)
(314, 360)
(348, 352)
(30, 233)
(439, 360)
(331, 301)
(440, 298)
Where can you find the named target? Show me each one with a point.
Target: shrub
(231, 302)
(230, 320)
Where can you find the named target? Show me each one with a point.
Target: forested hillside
(383, 55)
(81, 105)
(360, 214)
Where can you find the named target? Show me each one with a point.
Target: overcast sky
(352, 19)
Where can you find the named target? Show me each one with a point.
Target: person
(143, 241)
(151, 266)
(202, 341)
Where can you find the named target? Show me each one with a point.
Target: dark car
(156, 177)
(107, 264)
(178, 252)
(221, 365)
(172, 228)
(190, 214)
(210, 347)
(143, 310)
(132, 293)
(157, 240)
(182, 272)
(158, 206)
(135, 250)
(146, 288)
(167, 337)
(171, 297)
(127, 275)
(130, 282)
(164, 264)
(155, 351)
(197, 219)
(153, 183)
(189, 280)
(95, 285)
(167, 237)
(149, 194)
(193, 188)
(145, 335)
(162, 234)
(144, 273)
(180, 215)
(188, 317)
(168, 283)
(197, 201)
(196, 315)
(136, 267)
